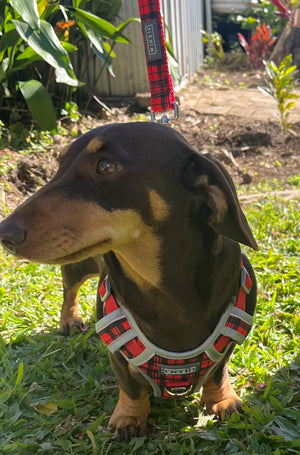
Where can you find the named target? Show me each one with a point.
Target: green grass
(57, 393)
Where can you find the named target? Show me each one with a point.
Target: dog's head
(118, 185)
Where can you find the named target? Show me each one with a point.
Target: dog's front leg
(218, 395)
(131, 413)
(69, 316)
(130, 416)
(74, 275)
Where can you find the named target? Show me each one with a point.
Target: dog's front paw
(219, 398)
(125, 427)
(67, 323)
(129, 418)
(224, 408)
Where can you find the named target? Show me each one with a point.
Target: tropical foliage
(38, 31)
(214, 47)
(258, 49)
(280, 83)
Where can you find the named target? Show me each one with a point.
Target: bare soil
(220, 113)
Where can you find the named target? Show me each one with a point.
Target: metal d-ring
(165, 119)
(179, 391)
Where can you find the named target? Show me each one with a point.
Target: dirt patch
(220, 113)
(235, 94)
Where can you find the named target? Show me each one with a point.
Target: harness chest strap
(172, 374)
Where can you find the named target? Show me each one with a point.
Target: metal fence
(185, 20)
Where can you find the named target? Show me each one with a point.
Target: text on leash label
(152, 41)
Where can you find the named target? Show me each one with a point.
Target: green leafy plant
(214, 47)
(286, 8)
(279, 85)
(258, 13)
(37, 31)
(71, 111)
(274, 13)
(172, 61)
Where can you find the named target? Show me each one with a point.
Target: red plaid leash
(161, 85)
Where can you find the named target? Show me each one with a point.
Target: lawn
(57, 393)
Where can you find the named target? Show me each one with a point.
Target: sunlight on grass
(57, 393)
(31, 297)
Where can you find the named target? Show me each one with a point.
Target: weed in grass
(57, 393)
(295, 180)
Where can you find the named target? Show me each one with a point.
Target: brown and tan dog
(136, 203)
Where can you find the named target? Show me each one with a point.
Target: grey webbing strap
(108, 319)
(242, 315)
(244, 274)
(143, 357)
(233, 334)
(107, 288)
(156, 389)
(213, 354)
(120, 341)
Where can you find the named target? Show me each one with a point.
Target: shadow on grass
(58, 393)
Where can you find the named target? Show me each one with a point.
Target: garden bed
(220, 113)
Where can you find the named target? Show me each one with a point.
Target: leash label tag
(152, 41)
(174, 370)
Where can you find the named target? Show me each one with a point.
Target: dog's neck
(177, 295)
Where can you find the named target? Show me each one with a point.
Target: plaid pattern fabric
(171, 375)
(113, 331)
(133, 348)
(161, 85)
(189, 373)
(238, 325)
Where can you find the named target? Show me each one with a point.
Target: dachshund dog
(161, 226)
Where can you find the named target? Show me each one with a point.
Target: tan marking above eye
(63, 152)
(159, 207)
(94, 145)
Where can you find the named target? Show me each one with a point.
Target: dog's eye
(106, 167)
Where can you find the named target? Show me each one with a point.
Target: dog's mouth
(83, 253)
(9, 247)
(76, 256)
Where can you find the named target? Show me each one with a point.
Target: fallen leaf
(46, 409)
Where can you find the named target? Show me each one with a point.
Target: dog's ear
(207, 178)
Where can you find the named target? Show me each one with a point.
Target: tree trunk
(289, 42)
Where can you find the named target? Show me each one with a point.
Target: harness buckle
(179, 391)
(165, 119)
(244, 277)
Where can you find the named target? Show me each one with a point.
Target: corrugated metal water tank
(229, 6)
(185, 19)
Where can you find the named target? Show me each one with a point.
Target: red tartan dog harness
(173, 374)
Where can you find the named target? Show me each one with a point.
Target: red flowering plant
(287, 8)
(283, 10)
(258, 49)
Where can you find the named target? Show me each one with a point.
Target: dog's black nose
(11, 235)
